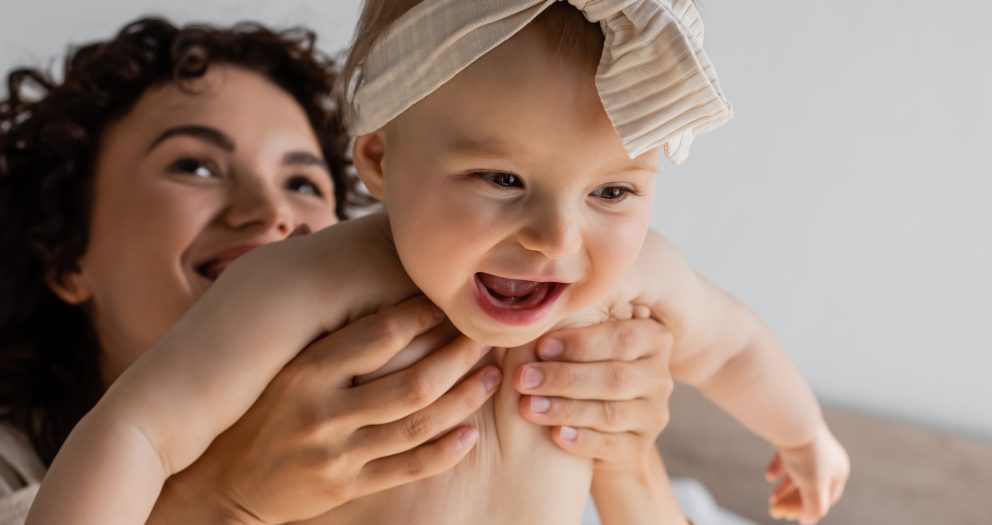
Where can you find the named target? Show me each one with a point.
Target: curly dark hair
(50, 133)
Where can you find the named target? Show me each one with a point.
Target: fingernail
(532, 377)
(540, 404)
(551, 348)
(490, 378)
(569, 433)
(467, 437)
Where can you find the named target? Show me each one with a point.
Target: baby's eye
(304, 186)
(613, 193)
(197, 167)
(500, 178)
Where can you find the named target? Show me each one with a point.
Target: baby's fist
(813, 477)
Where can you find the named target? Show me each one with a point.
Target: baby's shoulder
(659, 285)
(655, 276)
(363, 256)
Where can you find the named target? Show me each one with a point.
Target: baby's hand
(603, 389)
(812, 478)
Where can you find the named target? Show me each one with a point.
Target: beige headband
(656, 82)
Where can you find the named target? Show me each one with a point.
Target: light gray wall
(847, 203)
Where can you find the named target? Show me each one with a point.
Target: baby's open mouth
(517, 294)
(515, 301)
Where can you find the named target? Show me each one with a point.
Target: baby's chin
(501, 336)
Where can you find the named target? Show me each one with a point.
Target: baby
(517, 166)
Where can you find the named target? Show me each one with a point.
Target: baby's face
(512, 201)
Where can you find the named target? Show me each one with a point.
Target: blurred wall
(848, 202)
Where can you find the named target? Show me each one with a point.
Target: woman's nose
(256, 204)
(553, 232)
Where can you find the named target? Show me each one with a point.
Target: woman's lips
(515, 301)
(218, 262)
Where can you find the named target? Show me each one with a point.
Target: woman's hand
(603, 389)
(313, 441)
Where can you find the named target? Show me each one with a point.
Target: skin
(521, 188)
(551, 222)
(189, 174)
(184, 195)
(724, 348)
(494, 179)
(186, 177)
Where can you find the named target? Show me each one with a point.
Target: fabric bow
(655, 81)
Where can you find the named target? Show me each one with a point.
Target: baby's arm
(723, 349)
(164, 411)
(726, 351)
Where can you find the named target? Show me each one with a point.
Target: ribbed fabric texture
(657, 84)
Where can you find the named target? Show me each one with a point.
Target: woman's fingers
(422, 462)
(589, 443)
(619, 340)
(605, 416)
(609, 381)
(451, 409)
(402, 393)
(370, 342)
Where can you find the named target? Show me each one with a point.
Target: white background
(848, 202)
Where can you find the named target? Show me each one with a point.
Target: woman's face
(185, 183)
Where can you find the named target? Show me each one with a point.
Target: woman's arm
(638, 495)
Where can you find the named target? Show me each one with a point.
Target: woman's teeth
(211, 270)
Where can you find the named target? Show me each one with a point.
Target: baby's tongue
(509, 288)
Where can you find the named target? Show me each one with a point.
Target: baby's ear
(70, 287)
(367, 157)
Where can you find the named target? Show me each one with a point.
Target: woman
(127, 188)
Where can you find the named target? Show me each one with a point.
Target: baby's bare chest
(514, 474)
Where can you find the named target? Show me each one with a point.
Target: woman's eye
(203, 168)
(304, 186)
(499, 178)
(613, 193)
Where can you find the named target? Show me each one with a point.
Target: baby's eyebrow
(212, 135)
(481, 145)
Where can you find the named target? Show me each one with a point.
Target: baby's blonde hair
(566, 31)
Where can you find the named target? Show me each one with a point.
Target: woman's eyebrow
(206, 133)
(303, 158)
